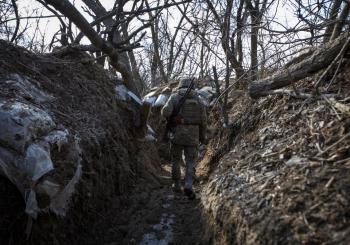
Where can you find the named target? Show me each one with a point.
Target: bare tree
(257, 9)
(68, 10)
(332, 16)
(341, 21)
(157, 62)
(13, 38)
(227, 41)
(152, 42)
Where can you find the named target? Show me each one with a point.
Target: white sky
(51, 25)
(284, 14)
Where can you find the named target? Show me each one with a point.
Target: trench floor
(164, 217)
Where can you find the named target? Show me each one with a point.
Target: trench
(259, 181)
(165, 217)
(123, 195)
(12, 213)
(156, 216)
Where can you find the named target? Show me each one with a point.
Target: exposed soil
(280, 173)
(160, 216)
(82, 99)
(124, 196)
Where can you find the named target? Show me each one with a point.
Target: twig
(343, 108)
(331, 105)
(28, 17)
(342, 160)
(341, 53)
(296, 94)
(315, 206)
(345, 100)
(227, 90)
(100, 57)
(336, 72)
(330, 181)
(307, 223)
(59, 17)
(331, 146)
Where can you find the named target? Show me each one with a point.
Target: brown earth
(159, 211)
(280, 174)
(114, 161)
(124, 195)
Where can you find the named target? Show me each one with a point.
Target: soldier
(191, 123)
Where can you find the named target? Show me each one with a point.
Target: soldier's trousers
(190, 153)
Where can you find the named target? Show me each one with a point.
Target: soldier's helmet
(185, 83)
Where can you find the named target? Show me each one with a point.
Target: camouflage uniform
(188, 133)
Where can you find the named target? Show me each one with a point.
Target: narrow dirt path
(162, 217)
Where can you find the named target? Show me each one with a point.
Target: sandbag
(27, 137)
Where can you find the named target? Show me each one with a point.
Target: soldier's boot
(189, 193)
(176, 176)
(175, 170)
(188, 190)
(176, 187)
(190, 156)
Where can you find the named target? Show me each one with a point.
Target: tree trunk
(155, 39)
(254, 50)
(332, 16)
(99, 56)
(224, 29)
(341, 21)
(216, 81)
(227, 84)
(240, 25)
(134, 67)
(154, 67)
(100, 11)
(201, 60)
(172, 56)
(68, 10)
(320, 59)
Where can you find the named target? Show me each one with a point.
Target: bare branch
(14, 36)
(66, 8)
(320, 59)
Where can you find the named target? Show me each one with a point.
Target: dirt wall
(82, 100)
(280, 173)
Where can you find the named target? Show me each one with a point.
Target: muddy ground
(160, 216)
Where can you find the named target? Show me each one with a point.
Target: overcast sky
(284, 14)
(50, 26)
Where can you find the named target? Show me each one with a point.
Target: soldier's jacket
(194, 114)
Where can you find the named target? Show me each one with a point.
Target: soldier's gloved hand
(179, 120)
